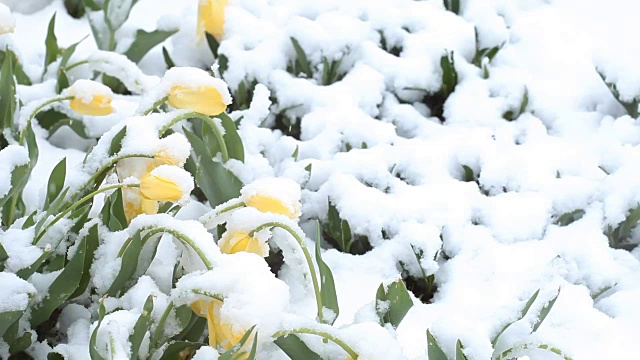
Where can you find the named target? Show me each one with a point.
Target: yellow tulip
(202, 99)
(211, 18)
(99, 105)
(270, 204)
(221, 334)
(154, 187)
(138, 205)
(240, 241)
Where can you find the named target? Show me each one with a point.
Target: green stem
(35, 112)
(184, 239)
(230, 207)
(74, 65)
(208, 120)
(106, 167)
(325, 335)
(12, 209)
(160, 328)
(78, 203)
(155, 105)
(206, 293)
(307, 256)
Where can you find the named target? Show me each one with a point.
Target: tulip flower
(202, 99)
(211, 18)
(90, 98)
(231, 243)
(221, 334)
(157, 188)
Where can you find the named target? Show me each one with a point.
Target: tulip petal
(156, 188)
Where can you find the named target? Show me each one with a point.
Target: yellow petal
(201, 99)
(270, 204)
(211, 18)
(156, 188)
(164, 157)
(99, 105)
(240, 241)
(200, 308)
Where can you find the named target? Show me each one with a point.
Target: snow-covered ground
(395, 172)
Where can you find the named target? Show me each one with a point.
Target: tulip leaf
(51, 44)
(7, 319)
(213, 44)
(235, 349)
(62, 287)
(523, 313)
(55, 356)
(216, 182)
(194, 327)
(63, 81)
(92, 241)
(94, 353)
(453, 6)
(56, 181)
(327, 284)
(433, 349)
(142, 326)
(68, 52)
(8, 100)
(295, 348)
(26, 273)
(231, 138)
(459, 353)
(117, 219)
(178, 350)
(393, 302)
(116, 142)
(301, 62)
(3, 257)
(167, 58)
(17, 343)
(544, 312)
(130, 252)
(145, 41)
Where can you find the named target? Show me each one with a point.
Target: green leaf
(92, 240)
(433, 349)
(167, 59)
(56, 181)
(117, 219)
(141, 327)
(7, 319)
(77, 126)
(116, 142)
(93, 349)
(91, 5)
(55, 356)
(570, 217)
(449, 74)
(175, 349)
(51, 43)
(254, 348)
(75, 8)
(217, 183)
(3, 257)
(327, 284)
(17, 343)
(469, 176)
(301, 60)
(523, 313)
(213, 44)
(68, 52)
(195, 327)
(130, 253)
(8, 101)
(544, 312)
(459, 354)
(232, 138)
(63, 81)
(62, 287)
(295, 348)
(229, 354)
(393, 303)
(145, 41)
(26, 273)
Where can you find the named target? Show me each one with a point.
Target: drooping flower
(202, 99)
(90, 98)
(231, 243)
(274, 195)
(211, 18)
(157, 188)
(221, 333)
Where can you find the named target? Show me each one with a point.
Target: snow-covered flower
(202, 99)
(166, 183)
(275, 195)
(90, 98)
(221, 333)
(233, 242)
(211, 18)
(7, 21)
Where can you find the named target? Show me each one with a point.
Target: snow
(378, 154)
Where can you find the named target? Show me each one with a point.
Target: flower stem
(206, 293)
(160, 328)
(35, 112)
(187, 241)
(154, 106)
(78, 203)
(325, 335)
(307, 256)
(208, 120)
(74, 65)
